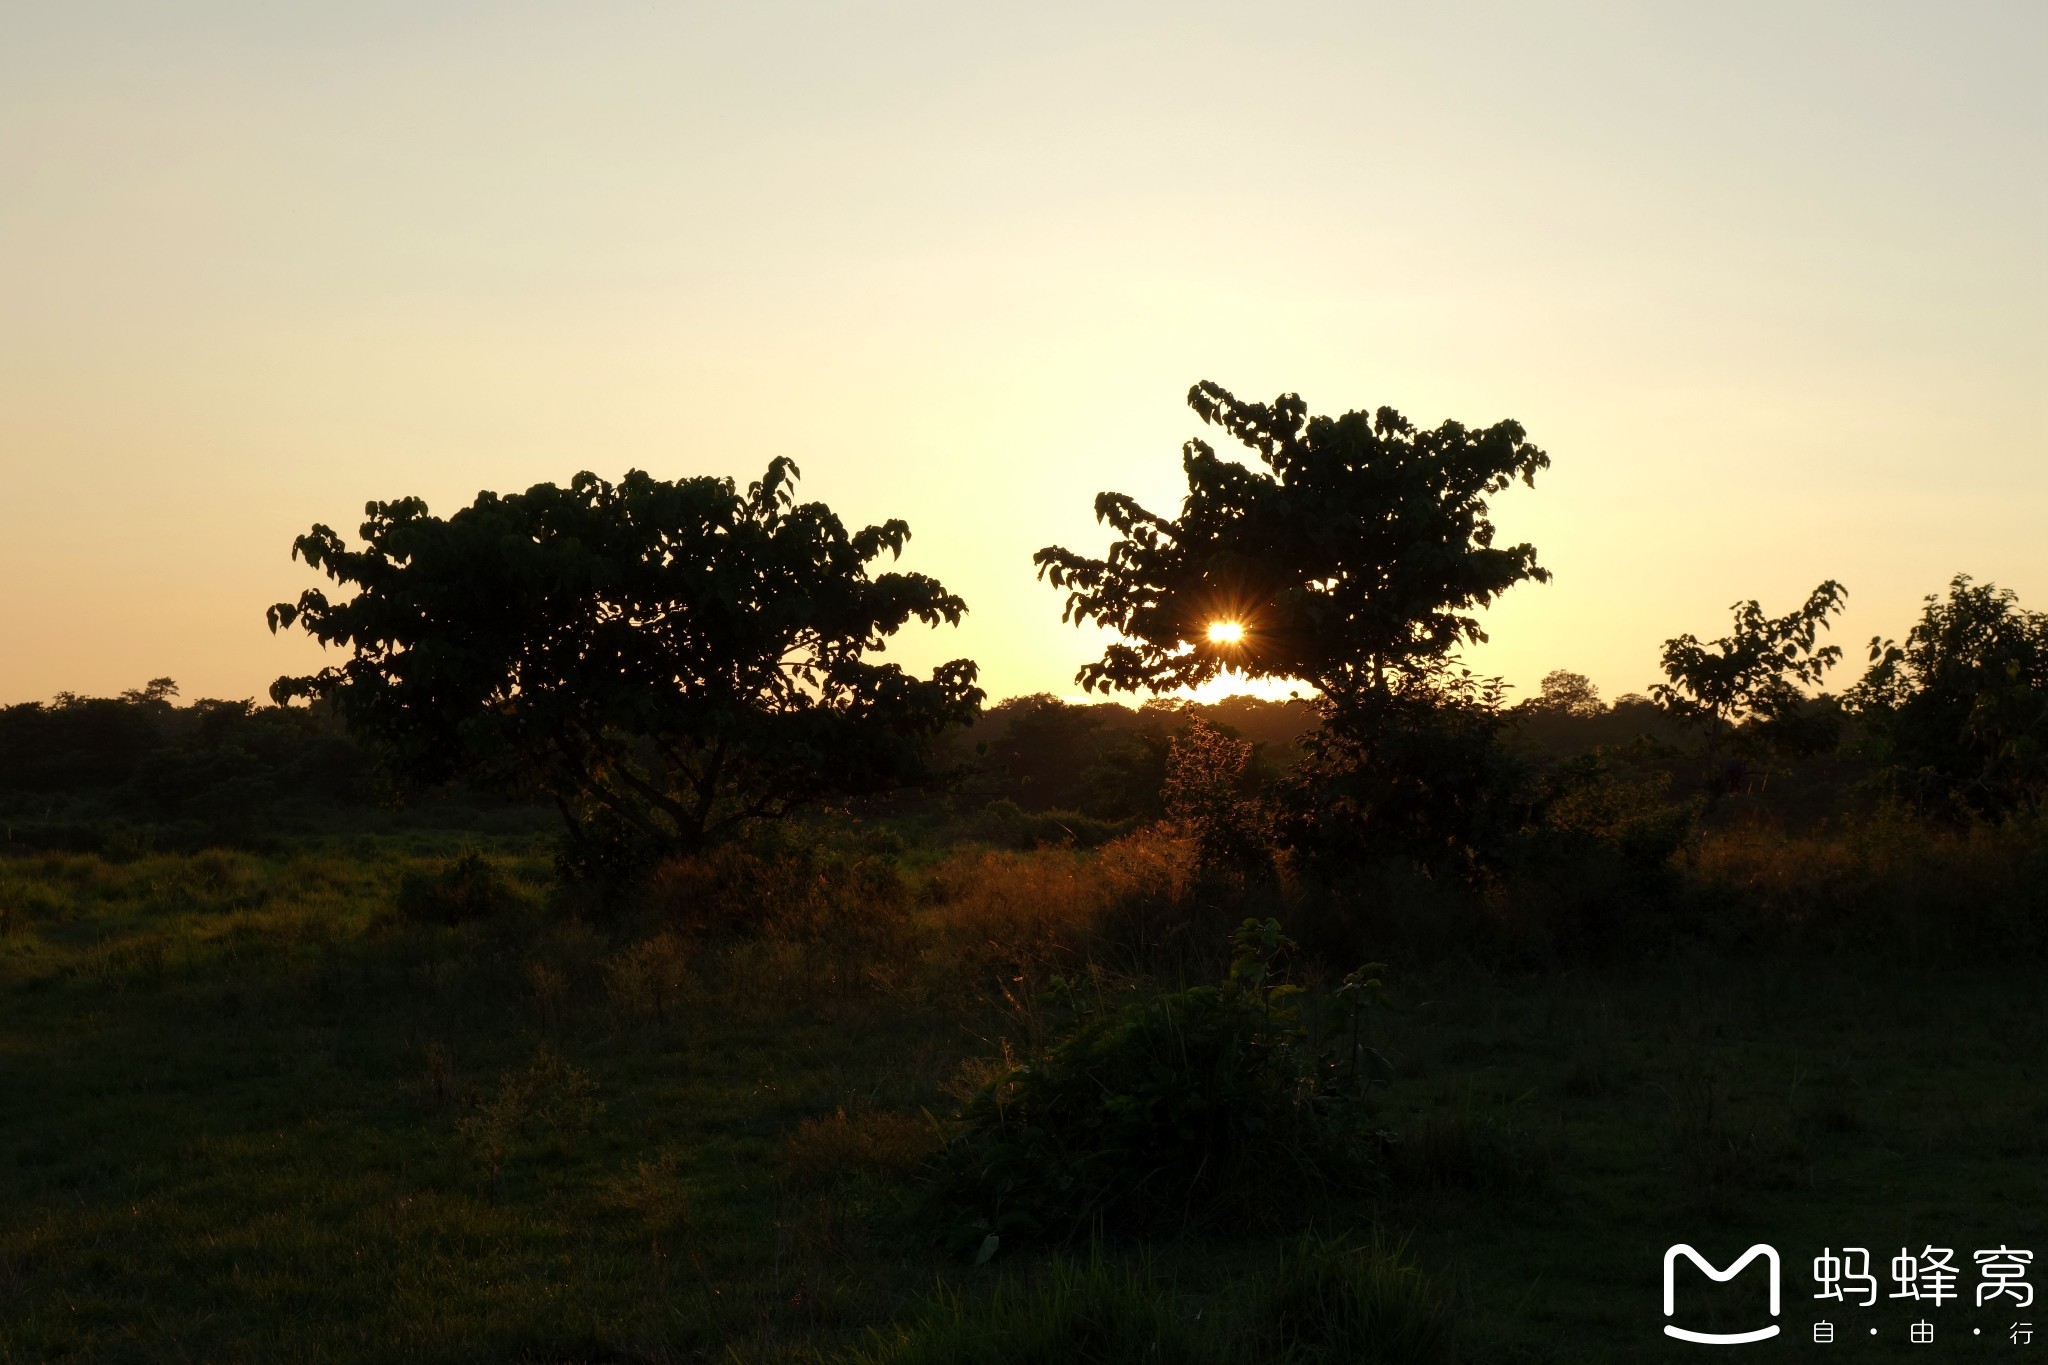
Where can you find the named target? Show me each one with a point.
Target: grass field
(265, 1108)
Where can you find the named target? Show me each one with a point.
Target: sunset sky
(1767, 281)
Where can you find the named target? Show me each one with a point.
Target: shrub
(541, 1107)
(1594, 870)
(1206, 800)
(1416, 774)
(1900, 885)
(1171, 1110)
(645, 979)
(1959, 715)
(1006, 824)
(792, 890)
(1008, 920)
(466, 888)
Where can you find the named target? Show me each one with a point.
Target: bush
(466, 888)
(1417, 774)
(793, 889)
(1959, 715)
(1006, 824)
(645, 979)
(1595, 871)
(540, 1108)
(1173, 1110)
(1206, 800)
(1895, 884)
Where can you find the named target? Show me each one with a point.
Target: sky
(1767, 281)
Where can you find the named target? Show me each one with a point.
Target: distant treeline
(85, 772)
(142, 771)
(176, 774)
(1103, 759)
(90, 772)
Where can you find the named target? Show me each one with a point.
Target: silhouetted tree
(1417, 772)
(76, 743)
(1567, 717)
(79, 771)
(1960, 711)
(1041, 750)
(1565, 693)
(665, 660)
(1351, 561)
(1750, 685)
(1355, 554)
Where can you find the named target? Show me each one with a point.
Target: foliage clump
(1207, 801)
(1005, 824)
(1213, 1101)
(665, 661)
(1415, 773)
(139, 771)
(465, 888)
(648, 978)
(1352, 562)
(1606, 841)
(789, 887)
(1747, 691)
(1959, 712)
(538, 1109)
(1358, 551)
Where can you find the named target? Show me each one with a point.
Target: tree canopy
(1756, 675)
(664, 659)
(1960, 711)
(1356, 553)
(1565, 693)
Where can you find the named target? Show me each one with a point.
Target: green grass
(1575, 1125)
(1317, 1301)
(248, 1111)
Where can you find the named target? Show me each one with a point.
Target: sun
(1226, 632)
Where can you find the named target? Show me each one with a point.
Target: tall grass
(1892, 885)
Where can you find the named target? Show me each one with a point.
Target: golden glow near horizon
(262, 264)
(1226, 632)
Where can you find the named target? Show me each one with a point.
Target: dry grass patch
(823, 1151)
